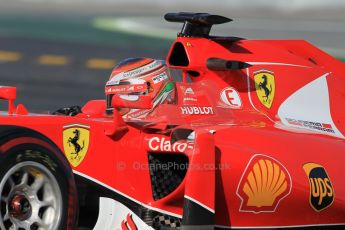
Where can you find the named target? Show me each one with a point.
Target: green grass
(72, 30)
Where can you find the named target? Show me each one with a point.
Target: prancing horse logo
(76, 140)
(265, 87)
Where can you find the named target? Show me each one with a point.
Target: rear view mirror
(132, 101)
(9, 93)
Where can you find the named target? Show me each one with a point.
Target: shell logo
(264, 184)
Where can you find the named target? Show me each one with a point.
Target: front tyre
(37, 189)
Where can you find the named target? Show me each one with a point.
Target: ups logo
(321, 189)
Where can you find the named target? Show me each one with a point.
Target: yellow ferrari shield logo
(76, 140)
(265, 87)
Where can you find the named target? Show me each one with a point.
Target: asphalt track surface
(49, 75)
(58, 71)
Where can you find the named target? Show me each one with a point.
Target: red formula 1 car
(253, 139)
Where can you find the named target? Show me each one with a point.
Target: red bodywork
(261, 159)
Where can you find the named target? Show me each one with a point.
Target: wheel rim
(30, 198)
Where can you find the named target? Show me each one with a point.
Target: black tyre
(37, 188)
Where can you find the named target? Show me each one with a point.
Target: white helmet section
(309, 108)
(114, 215)
(115, 80)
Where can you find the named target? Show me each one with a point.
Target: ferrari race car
(254, 138)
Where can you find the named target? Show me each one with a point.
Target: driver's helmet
(140, 76)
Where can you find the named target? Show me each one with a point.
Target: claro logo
(164, 145)
(321, 189)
